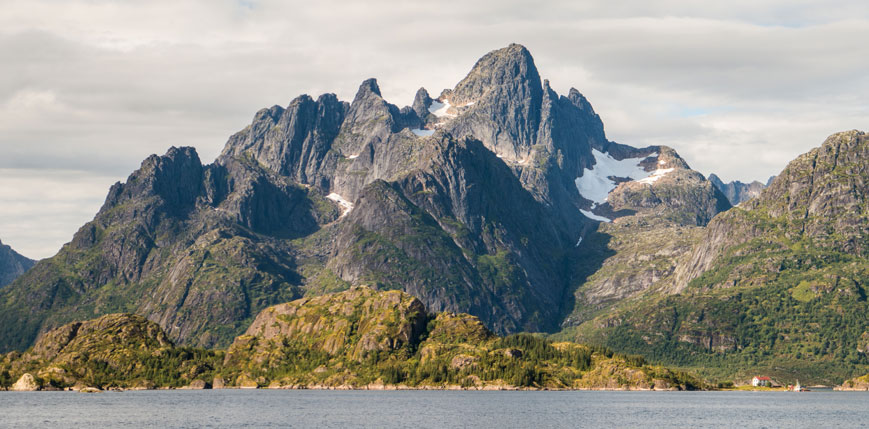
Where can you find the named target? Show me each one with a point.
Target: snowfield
(439, 109)
(657, 174)
(595, 183)
(593, 216)
(346, 206)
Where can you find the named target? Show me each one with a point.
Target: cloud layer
(90, 88)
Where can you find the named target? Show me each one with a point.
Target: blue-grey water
(433, 409)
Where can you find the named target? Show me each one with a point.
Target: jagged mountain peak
(511, 66)
(368, 86)
(174, 177)
(738, 192)
(470, 204)
(580, 101)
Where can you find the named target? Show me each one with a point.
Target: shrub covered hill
(777, 285)
(359, 338)
(480, 200)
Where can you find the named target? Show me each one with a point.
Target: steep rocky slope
(475, 201)
(778, 282)
(12, 264)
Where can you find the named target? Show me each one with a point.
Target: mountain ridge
(471, 201)
(738, 192)
(776, 284)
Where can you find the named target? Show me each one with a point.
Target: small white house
(761, 381)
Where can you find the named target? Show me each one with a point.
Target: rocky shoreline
(32, 387)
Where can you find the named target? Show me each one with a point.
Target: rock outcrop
(25, 384)
(349, 324)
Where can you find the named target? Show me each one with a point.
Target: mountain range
(499, 198)
(738, 192)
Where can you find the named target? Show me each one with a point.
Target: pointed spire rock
(369, 86)
(421, 102)
(579, 100)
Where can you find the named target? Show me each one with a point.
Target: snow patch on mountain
(657, 174)
(439, 109)
(593, 216)
(596, 183)
(346, 206)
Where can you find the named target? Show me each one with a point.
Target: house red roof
(763, 378)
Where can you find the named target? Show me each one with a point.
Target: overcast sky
(88, 89)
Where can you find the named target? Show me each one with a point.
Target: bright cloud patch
(595, 184)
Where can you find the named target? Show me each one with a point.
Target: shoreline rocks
(25, 383)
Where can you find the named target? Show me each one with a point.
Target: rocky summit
(493, 198)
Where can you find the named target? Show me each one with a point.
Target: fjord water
(422, 409)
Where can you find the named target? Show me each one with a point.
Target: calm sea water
(434, 409)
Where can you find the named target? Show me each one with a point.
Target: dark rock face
(12, 264)
(447, 233)
(738, 192)
(468, 202)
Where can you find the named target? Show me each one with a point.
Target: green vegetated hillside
(776, 286)
(359, 338)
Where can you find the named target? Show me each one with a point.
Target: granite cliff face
(475, 201)
(12, 264)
